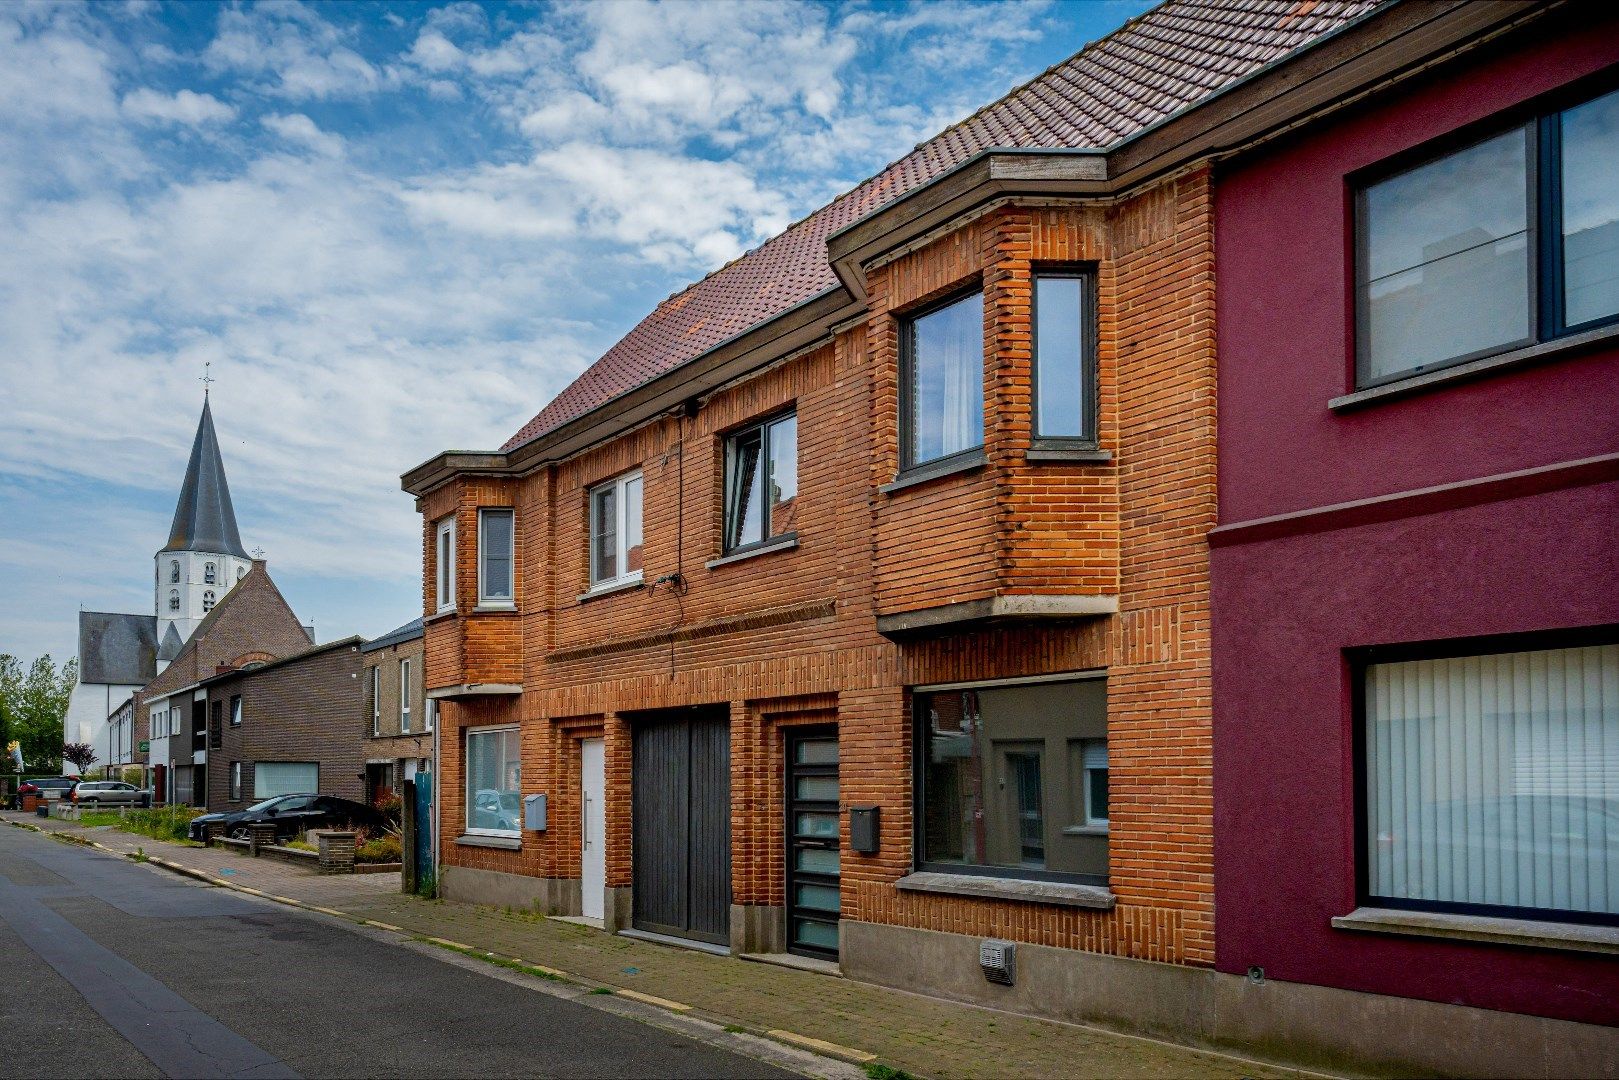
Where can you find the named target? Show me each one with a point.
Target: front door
(592, 828)
(681, 827)
(813, 861)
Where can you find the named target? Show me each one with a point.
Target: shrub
(384, 849)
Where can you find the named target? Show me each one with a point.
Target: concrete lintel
(1010, 606)
(1530, 933)
(466, 690)
(1062, 893)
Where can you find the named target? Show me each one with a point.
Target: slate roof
(1154, 66)
(409, 632)
(171, 646)
(117, 649)
(204, 519)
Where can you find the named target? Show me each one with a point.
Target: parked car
(39, 785)
(291, 815)
(110, 793)
(493, 809)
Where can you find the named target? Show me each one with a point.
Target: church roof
(117, 649)
(204, 519)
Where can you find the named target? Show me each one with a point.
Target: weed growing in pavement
(602, 990)
(878, 1071)
(140, 855)
(735, 1029)
(498, 961)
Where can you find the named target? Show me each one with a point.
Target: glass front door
(812, 842)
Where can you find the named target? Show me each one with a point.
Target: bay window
(495, 548)
(942, 382)
(761, 483)
(615, 531)
(1012, 780)
(494, 780)
(1491, 782)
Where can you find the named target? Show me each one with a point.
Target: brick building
(287, 726)
(250, 624)
(398, 720)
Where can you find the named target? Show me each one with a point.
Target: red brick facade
(790, 636)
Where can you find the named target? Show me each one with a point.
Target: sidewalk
(920, 1035)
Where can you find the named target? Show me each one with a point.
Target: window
(761, 482)
(208, 574)
(615, 531)
(495, 558)
(376, 701)
(429, 714)
(236, 710)
(272, 778)
(1491, 783)
(494, 775)
(216, 726)
(236, 781)
(174, 599)
(241, 572)
(404, 697)
(1065, 357)
(208, 600)
(174, 721)
(942, 382)
(174, 571)
(1500, 244)
(999, 792)
(444, 564)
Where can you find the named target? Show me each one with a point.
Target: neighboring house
(121, 746)
(1416, 588)
(285, 726)
(117, 656)
(250, 624)
(398, 717)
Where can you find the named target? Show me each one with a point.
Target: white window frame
(444, 564)
(236, 781)
(466, 770)
(1086, 783)
(404, 696)
(617, 485)
(484, 599)
(376, 700)
(429, 710)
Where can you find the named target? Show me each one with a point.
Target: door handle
(584, 821)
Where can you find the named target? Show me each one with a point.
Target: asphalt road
(116, 969)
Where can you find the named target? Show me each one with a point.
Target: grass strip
(492, 958)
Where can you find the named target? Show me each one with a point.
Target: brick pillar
(262, 834)
(336, 852)
(213, 831)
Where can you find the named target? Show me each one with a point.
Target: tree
(81, 754)
(35, 706)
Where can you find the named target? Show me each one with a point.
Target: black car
(291, 815)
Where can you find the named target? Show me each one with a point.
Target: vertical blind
(1495, 780)
(272, 778)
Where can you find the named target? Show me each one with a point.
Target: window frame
(236, 710)
(376, 700)
(466, 780)
(404, 695)
(444, 568)
(1090, 364)
(919, 731)
(907, 321)
(727, 477)
(484, 599)
(620, 552)
(429, 707)
(235, 791)
(1541, 125)
(1356, 663)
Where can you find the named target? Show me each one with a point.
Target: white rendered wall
(192, 587)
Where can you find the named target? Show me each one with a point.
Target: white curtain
(1495, 779)
(272, 778)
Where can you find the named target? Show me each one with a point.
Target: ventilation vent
(998, 959)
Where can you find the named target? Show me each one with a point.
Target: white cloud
(181, 107)
(298, 128)
(290, 51)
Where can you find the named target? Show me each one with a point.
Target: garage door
(272, 778)
(682, 825)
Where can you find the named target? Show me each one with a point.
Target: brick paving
(921, 1035)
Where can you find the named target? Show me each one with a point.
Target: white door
(593, 827)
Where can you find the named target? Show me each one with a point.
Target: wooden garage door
(682, 825)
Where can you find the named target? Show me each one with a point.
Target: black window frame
(919, 733)
(1357, 660)
(1540, 122)
(727, 478)
(907, 358)
(1089, 439)
(236, 710)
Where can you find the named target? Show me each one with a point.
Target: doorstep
(677, 942)
(794, 961)
(580, 920)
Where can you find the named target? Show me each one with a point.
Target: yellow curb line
(383, 925)
(847, 1053)
(662, 1003)
(331, 911)
(455, 945)
(558, 972)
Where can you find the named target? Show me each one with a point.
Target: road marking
(662, 1003)
(847, 1053)
(452, 944)
(384, 926)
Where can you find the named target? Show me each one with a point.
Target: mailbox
(534, 812)
(864, 826)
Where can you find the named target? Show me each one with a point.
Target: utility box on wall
(864, 827)
(534, 813)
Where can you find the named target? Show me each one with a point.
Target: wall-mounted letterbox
(864, 826)
(534, 812)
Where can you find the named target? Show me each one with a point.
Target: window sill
(507, 843)
(611, 587)
(491, 607)
(1061, 455)
(784, 542)
(1487, 365)
(934, 470)
(1529, 933)
(1085, 830)
(1062, 893)
(447, 613)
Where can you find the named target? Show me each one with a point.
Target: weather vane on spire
(207, 377)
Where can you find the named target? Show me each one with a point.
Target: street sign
(143, 746)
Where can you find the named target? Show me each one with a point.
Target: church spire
(204, 519)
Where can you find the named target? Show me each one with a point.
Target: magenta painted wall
(1286, 609)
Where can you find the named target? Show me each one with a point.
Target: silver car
(93, 793)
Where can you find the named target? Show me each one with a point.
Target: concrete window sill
(1085, 830)
(507, 843)
(785, 542)
(1059, 455)
(1065, 894)
(493, 608)
(447, 613)
(610, 588)
(1495, 930)
(934, 470)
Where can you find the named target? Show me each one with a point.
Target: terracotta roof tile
(1155, 65)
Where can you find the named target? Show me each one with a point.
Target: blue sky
(392, 229)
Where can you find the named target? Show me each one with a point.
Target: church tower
(204, 557)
